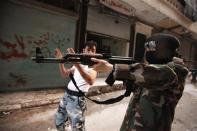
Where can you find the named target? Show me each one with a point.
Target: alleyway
(31, 86)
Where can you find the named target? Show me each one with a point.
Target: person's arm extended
(102, 65)
(89, 77)
(147, 76)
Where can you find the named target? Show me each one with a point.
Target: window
(107, 44)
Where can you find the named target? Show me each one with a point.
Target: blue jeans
(71, 108)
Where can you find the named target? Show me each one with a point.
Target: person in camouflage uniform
(160, 84)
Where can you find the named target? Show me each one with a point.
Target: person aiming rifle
(159, 81)
(73, 104)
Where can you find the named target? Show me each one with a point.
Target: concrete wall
(22, 29)
(105, 24)
(143, 29)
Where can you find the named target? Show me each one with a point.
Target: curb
(21, 100)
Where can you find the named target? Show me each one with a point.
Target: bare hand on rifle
(102, 65)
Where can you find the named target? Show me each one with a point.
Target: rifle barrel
(55, 60)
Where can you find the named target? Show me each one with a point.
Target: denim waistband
(74, 93)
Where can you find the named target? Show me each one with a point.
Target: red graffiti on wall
(43, 39)
(13, 51)
(18, 48)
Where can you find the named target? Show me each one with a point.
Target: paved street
(98, 117)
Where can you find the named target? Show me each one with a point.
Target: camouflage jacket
(153, 103)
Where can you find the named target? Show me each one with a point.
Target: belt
(74, 93)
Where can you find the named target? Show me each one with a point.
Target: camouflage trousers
(144, 116)
(71, 108)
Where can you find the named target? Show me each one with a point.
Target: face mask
(154, 58)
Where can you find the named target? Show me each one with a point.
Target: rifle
(86, 60)
(81, 58)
